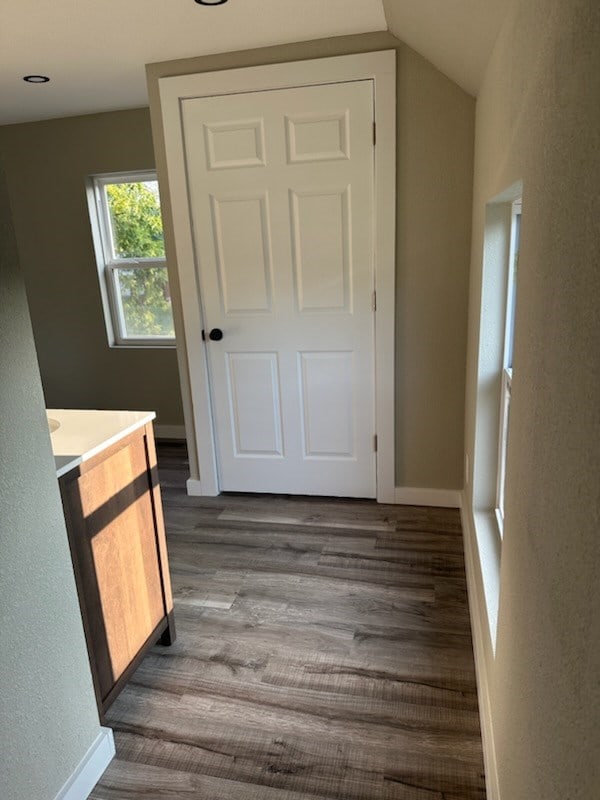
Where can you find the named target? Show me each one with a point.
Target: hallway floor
(323, 651)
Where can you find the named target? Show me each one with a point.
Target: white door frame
(380, 67)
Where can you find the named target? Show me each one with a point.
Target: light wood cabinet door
(114, 518)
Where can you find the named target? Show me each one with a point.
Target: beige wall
(48, 716)
(434, 191)
(435, 143)
(538, 119)
(46, 167)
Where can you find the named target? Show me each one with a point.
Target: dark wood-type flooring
(323, 651)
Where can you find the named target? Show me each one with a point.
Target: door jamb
(380, 67)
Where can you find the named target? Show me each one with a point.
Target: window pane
(145, 301)
(135, 220)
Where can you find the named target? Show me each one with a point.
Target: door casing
(380, 68)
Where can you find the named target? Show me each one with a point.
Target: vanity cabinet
(116, 532)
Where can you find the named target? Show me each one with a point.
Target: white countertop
(83, 434)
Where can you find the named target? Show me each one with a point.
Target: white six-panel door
(280, 188)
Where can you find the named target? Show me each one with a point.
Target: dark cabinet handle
(215, 335)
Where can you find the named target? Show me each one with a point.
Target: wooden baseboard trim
(478, 614)
(441, 498)
(90, 769)
(169, 432)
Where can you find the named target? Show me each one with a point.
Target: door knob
(215, 335)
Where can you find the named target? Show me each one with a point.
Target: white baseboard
(442, 498)
(90, 769)
(478, 614)
(169, 431)
(195, 489)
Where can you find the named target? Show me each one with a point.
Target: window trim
(480, 487)
(503, 446)
(108, 265)
(507, 358)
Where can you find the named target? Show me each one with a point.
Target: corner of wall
(91, 767)
(47, 684)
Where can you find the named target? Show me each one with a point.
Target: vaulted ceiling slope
(95, 52)
(457, 36)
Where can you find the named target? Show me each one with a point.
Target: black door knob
(215, 335)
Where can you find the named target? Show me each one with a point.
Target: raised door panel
(318, 137)
(322, 248)
(328, 405)
(234, 144)
(254, 405)
(240, 227)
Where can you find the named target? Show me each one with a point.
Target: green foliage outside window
(136, 221)
(138, 234)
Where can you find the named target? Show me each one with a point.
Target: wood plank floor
(323, 651)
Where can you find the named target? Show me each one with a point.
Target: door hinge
(374, 301)
(374, 133)
(375, 443)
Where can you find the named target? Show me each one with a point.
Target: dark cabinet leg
(169, 635)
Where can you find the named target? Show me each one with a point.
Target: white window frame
(507, 367)
(109, 265)
(482, 480)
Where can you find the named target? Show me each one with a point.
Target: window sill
(143, 346)
(488, 547)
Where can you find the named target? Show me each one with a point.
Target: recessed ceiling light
(36, 78)
(211, 2)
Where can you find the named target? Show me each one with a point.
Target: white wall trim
(169, 431)
(90, 769)
(442, 498)
(195, 489)
(380, 67)
(481, 642)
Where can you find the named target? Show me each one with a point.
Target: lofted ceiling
(457, 36)
(95, 53)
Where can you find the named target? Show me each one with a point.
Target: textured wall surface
(47, 164)
(434, 191)
(538, 119)
(48, 716)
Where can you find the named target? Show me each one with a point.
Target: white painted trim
(481, 643)
(380, 67)
(90, 769)
(442, 498)
(195, 489)
(497, 254)
(169, 431)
